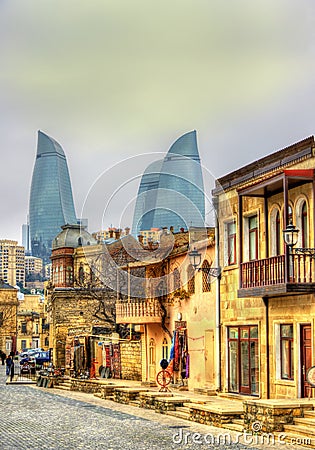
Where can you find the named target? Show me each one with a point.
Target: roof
(47, 145)
(73, 236)
(270, 163)
(4, 285)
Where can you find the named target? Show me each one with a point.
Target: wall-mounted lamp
(195, 261)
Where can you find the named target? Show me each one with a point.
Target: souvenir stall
(179, 356)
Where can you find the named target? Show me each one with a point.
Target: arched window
(290, 215)
(164, 349)
(176, 278)
(191, 279)
(278, 233)
(81, 274)
(304, 225)
(206, 281)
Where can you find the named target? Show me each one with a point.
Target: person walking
(8, 363)
(2, 356)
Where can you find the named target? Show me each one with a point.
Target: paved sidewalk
(38, 418)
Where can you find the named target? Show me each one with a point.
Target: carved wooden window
(176, 277)
(206, 279)
(191, 279)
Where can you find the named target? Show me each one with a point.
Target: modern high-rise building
(51, 200)
(12, 262)
(171, 191)
(26, 238)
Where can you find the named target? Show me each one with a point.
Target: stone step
(295, 439)
(238, 421)
(184, 409)
(297, 430)
(309, 414)
(134, 403)
(233, 426)
(179, 414)
(63, 388)
(305, 421)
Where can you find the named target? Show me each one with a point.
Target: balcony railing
(138, 311)
(263, 272)
(272, 271)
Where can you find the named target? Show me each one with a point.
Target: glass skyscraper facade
(51, 201)
(171, 191)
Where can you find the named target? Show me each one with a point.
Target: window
(278, 234)
(191, 279)
(23, 327)
(253, 237)
(81, 275)
(286, 352)
(176, 278)
(231, 242)
(23, 344)
(164, 349)
(1, 318)
(304, 225)
(206, 279)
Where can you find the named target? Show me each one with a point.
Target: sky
(116, 82)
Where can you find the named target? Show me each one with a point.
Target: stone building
(177, 309)
(12, 262)
(8, 310)
(32, 327)
(267, 287)
(81, 304)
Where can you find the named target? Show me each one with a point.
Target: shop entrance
(243, 369)
(306, 357)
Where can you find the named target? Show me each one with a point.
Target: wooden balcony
(138, 311)
(278, 276)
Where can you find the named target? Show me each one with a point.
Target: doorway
(306, 356)
(243, 360)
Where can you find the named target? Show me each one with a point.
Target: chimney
(117, 234)
(172, 229)
(182, 230)
(150, 243)
(140, 238)
(127, 231)
(111, 233)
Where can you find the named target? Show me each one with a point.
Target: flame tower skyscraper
(171, 191)
(51, 201)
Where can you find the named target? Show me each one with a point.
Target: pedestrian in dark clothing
(8, 363)
(3, 356)
(12, 371)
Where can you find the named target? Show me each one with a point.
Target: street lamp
(195, 261)
(195, 258)
(290, 235)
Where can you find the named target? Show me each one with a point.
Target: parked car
(41, 358)
(30, 351)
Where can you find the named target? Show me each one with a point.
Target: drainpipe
(217, 307)
(266, 303)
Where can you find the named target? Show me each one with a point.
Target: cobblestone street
(37, 418)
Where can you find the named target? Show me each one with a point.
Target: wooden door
(209, 356)
(152, 362)
(306, 356)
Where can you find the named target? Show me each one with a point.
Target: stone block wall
(130, 354)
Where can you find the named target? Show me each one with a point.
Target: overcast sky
(112, 80)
